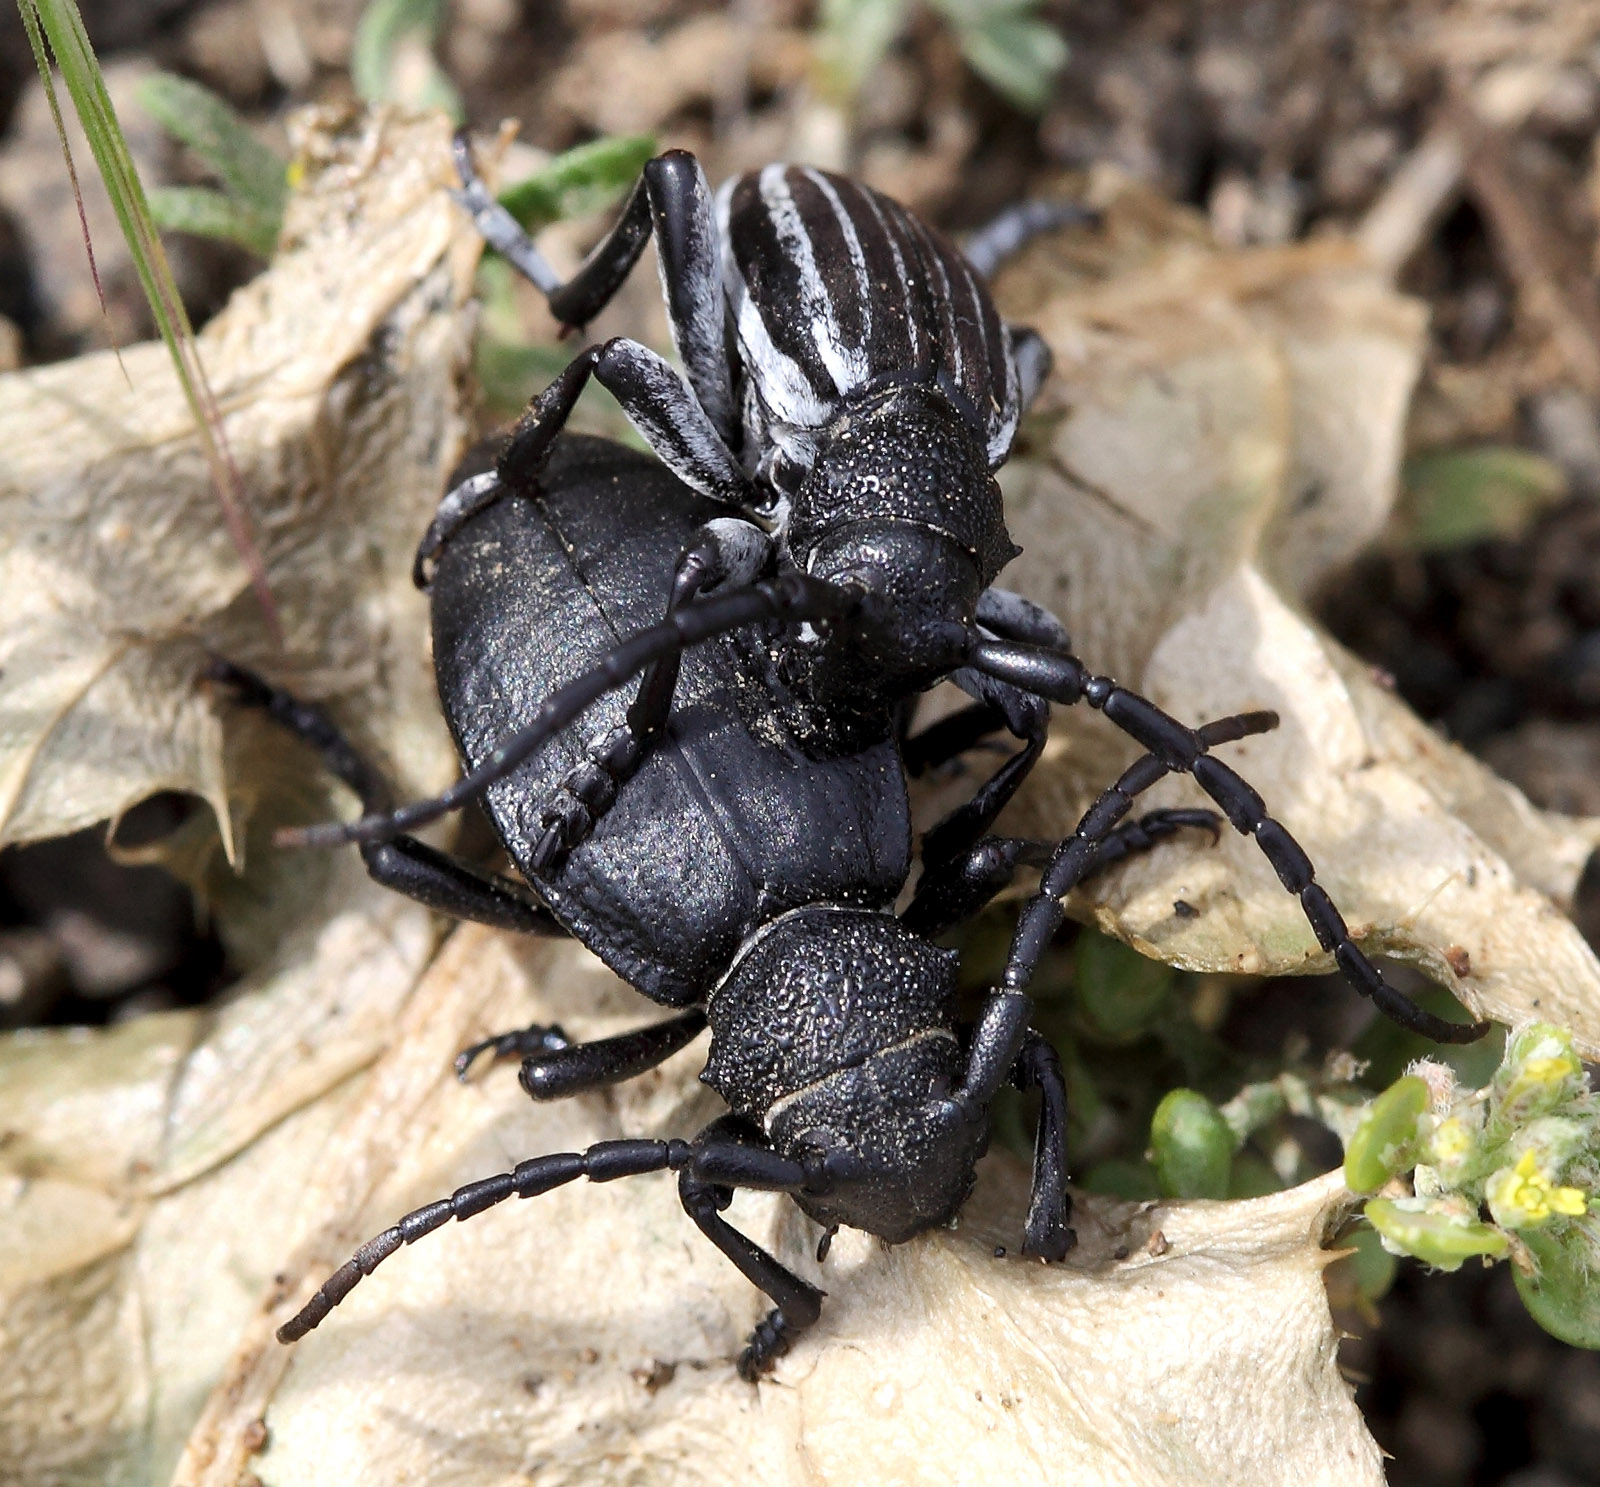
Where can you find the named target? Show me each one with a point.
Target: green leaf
(1119, 991)
(1455, 496)
(854, 36)
(1371, 1265)
(391, 57)
(1563, 1297)
(255, 177)
(1192, 1146)
(1440, 1239)
(210, 214)
(1119, 1179)
(1014, 52)
(59, 23)
(509, 371)
(1379, 1147)
(583, 179)
(1253, 1177)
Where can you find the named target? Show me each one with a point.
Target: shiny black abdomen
(728, 823)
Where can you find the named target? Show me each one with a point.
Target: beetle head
(900, 498)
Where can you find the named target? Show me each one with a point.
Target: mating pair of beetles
(815, 544)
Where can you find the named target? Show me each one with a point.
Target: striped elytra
(833, 290)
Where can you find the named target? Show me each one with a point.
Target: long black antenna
(791, 596)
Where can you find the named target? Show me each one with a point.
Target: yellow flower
(1526, 1196)
(1550, 1070)
(1452, 1143)
(1541, 1069)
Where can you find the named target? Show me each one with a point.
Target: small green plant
(1003, 41)
(392, 60)
(1509, 1171)
(1451, 497)
(248, 209)
(580, 180)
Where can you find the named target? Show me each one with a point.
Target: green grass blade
(62, 27)
(254, 176)
(30, 23)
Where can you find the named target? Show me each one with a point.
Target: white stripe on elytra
(852, 243)
(778, 381)
(959, 367)
(1011, 415)
(847, 369)
(913, 325)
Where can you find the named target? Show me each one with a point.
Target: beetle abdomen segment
(729, 821)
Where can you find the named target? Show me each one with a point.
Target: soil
(1279, 120)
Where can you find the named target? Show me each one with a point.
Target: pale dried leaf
(148, 1185)
(1222, 423)
(340, 374)
(587, 1336)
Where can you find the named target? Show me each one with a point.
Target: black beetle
(741, 879)
(851, 390)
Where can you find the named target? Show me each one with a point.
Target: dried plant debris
(340, 373)
(149, 1178)
(1223, 433)
(587, 1336)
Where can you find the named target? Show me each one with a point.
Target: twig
(1548, 291)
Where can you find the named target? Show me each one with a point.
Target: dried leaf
(340, 373)
(1223, 433)
(147, 1181)
(587, 1336)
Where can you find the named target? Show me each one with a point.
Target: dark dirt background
(1276, 119)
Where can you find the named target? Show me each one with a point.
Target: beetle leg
(672, 199)
(1047, 1233)
(461, 503)
(523, 1042)
(957, 888)
(1025, 715)
(1012, 617)
(1064, 678)
(799, 1303)
(433, 878)
(1031, 356)
(949, 737)
(1008, 232)
(553, 1067)
(496, 226)
(955, 835)
(658, 403)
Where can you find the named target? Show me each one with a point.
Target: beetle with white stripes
(848, 391)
